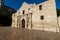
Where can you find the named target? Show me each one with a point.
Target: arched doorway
(23, 23)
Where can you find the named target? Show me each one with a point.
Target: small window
(28, 8)
(23, 11)
(17, 24)
(13, 20)
(42, 17)
(19, 12)
(40, 7)
(14, 15)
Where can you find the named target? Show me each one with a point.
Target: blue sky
(16, 4)
(58, 4)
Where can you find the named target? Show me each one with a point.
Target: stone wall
(34, 21)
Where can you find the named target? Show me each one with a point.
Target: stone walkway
(8, 33)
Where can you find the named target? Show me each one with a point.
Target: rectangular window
(23, 11)
(40, 7)
(42, 17)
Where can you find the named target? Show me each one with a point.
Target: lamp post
(58, 25)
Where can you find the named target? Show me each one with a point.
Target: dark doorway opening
(23, 23)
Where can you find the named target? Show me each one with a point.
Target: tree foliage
(5, 18)
(58, 12)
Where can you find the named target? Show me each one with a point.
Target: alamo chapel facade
(40, 17)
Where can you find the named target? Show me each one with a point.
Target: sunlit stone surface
(30, 16)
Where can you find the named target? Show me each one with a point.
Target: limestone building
(40, 17)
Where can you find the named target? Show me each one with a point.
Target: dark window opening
(23, 11)
(40, 7)
(28, 8)
(13, 20)
(19, 12)
(14, 15)
(42, 17)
